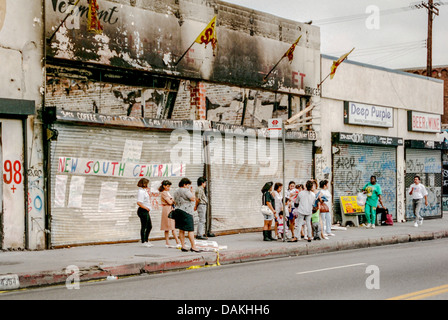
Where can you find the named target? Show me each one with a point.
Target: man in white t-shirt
(418, 192)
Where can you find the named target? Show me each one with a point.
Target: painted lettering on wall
(119, 169)
(12, 173)
(108, 16)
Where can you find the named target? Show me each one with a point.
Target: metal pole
(429, 44)
(284, 184)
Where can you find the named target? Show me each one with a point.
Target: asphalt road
(406, 271)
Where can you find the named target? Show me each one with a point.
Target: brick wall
(195, 101)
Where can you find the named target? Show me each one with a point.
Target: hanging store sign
(368, 115)
(424, 122)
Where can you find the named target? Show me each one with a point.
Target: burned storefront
(120, 99)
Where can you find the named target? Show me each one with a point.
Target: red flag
(290, 52)
(93, 23)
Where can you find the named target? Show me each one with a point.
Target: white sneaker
(372, 226)
(368, 226)
(325, 237)
(148, 244)
(415, 224)
(331, 234)
(420, 222)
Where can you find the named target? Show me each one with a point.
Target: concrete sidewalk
(24, 269)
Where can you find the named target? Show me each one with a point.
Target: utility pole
(431, 11)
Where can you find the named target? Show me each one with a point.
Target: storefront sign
(368, 115)
(344, 137)
(350, 205)
(424, 122)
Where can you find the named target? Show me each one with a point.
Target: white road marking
(333, 268)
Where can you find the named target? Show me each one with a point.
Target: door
(94, 176)
(247, 164)
(353, 165)
(428, 165)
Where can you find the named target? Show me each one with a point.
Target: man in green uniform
(373, 192)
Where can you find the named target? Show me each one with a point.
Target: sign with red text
(424, 122)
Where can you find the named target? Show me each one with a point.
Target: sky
(394, 38)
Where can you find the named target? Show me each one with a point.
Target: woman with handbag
(268, 210)
(184, 200)
(325, 208)
(167, 224)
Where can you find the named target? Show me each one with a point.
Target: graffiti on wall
(354, 165)
(429, 169)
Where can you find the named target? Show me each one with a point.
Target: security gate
(354, 164)
(94, 175)
(247, 164)
(428, 165)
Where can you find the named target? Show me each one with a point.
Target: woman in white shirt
(144, 206)
(326, 216)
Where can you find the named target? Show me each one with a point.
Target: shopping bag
(361, 199)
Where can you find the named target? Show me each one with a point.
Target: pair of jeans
(307, 219)
(202, 212)
(326, 219)
(417, 206)
(370, 213)
(146, 224)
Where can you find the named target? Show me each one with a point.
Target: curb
(206, 259)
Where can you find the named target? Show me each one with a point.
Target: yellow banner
(208, 35)
(338, 62)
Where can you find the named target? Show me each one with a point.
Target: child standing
(316, 224)
(280, 227)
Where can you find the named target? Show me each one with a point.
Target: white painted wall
(13, 184)
(22, 77)
(375, 86)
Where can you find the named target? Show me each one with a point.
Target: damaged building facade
(121, 105)
(98, 111)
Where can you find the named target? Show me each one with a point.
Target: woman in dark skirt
(183, 215)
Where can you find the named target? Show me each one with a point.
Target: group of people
(305, 210)
(177, 212)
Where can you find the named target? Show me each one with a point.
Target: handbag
(265, 210)
(324, 207)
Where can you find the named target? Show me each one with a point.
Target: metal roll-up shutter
(353, 165)
(428, 165)
(236, 183)
(94, 175)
